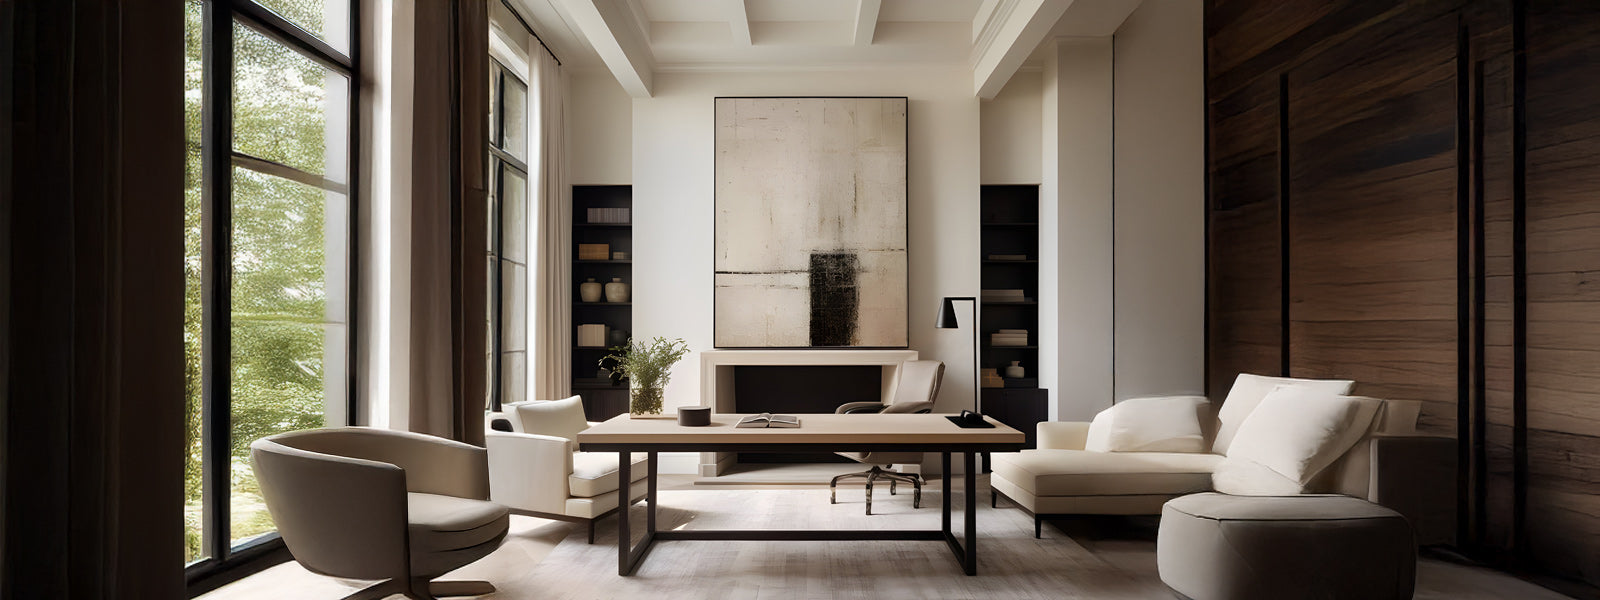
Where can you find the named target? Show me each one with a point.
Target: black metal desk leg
(650, 494)
(629, 556)
(625, 476)
(969, 494)
(944, 465)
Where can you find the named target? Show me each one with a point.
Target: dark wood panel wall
(1407, 193)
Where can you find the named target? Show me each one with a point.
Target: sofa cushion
(1298, 431)
(444, 523)
(1154, 424)
(595, 473)
(1242, 477)
(1247, 392)
(1085, 473)
(556, 418)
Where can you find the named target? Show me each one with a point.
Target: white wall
(1077, 229)
(600, 129)
(1010, 127)
(673, 205)
(1160, 200)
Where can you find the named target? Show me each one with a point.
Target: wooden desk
(817, 433)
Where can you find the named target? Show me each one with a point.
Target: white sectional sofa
(1388, 464)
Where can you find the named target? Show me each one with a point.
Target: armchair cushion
(1155, 424)
(444, 523)
(1247, 392)
(556, 418)
(595, 473)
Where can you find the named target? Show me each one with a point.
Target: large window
(508, 237)
(269, 108)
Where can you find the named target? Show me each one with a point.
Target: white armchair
(536, 470)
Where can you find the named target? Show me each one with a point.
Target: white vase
(589, 291)
(1015, 371)
(617, 291)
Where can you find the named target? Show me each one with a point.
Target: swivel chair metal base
(421, 588)
(872, 476)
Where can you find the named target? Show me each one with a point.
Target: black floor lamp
(947, 320)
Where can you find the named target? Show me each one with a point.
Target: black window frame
(498, 156)
(224, 561)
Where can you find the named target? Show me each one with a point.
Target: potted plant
(648, 366)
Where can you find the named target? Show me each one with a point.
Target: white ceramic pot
(1015, 371)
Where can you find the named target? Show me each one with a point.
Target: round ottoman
(1219, 547)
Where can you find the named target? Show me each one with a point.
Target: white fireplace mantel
(716, 378)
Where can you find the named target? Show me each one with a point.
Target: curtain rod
(531, 32)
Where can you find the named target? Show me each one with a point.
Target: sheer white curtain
(550, 329)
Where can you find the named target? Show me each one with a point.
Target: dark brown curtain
(449, 285)
(91, 196)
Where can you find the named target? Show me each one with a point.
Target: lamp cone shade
(947, 315)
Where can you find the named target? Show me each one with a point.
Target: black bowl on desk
(694, 416)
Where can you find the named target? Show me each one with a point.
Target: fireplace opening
(801, 390)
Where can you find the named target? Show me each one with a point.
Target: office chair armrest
(859, 407)
(908, 408)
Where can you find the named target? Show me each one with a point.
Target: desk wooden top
(868, 431)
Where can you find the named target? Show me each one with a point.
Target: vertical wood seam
(1465, 302)
(1283, 224)
(1480, 416)
(1519, 262)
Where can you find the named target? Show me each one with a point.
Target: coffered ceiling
(634, 39)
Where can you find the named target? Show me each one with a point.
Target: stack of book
(1003, 296)
(1009, 337)
(592, 336)
(594, 251)
(990, 378)
(608, 215)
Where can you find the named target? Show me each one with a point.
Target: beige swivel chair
(536, 470)
(362, 503)
(914, 392)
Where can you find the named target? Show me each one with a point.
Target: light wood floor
(1090, 558)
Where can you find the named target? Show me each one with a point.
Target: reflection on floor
(1080, 558)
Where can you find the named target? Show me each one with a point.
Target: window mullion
(217, 275)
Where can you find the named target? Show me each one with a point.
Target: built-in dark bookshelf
(1010, 261)
(602, 398)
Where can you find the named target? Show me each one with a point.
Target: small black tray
(965, 425)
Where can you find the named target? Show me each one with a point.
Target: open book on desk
(769, 420)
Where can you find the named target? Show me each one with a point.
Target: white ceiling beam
(1015, 28)
(980, 21)
(739, 22)
(866, 21)
(611, 28)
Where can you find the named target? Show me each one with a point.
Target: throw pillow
(1298, 431)
(556, 418)
(1157, 424)
(1247, 392)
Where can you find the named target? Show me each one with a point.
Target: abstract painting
(810, 223)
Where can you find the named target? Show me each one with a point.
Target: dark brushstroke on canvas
(835, 302)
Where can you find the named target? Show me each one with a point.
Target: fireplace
(729, 386)
(802, 389)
